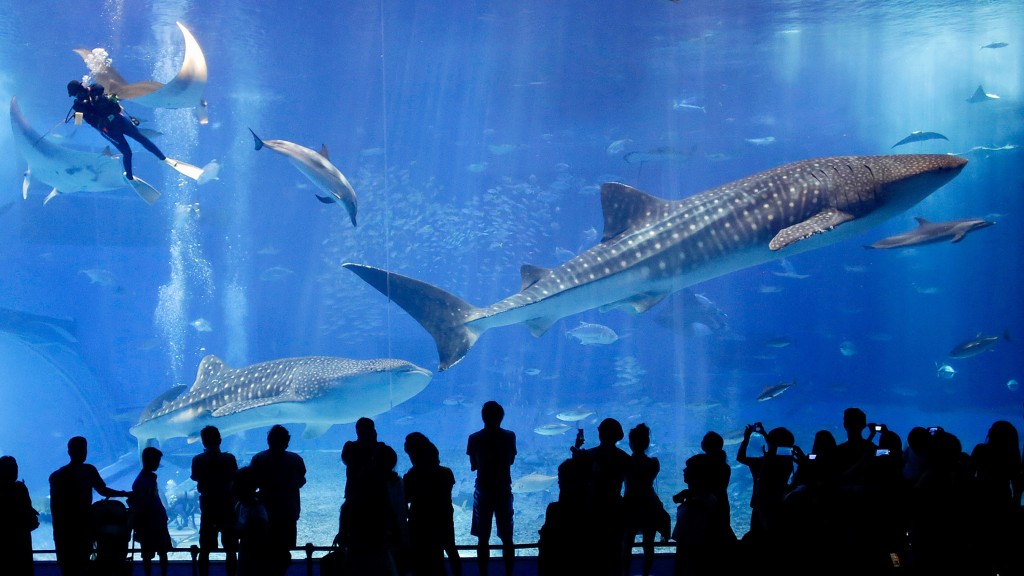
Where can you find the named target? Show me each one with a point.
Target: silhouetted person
(704, 543)
(607, 465)
(809, 503)
(995, 483)
(213, 472)
(148, 513)
(279, 475)
(771, 473)
(368, 525)
(491, 451)
(428, 491)
(252, 526)
(364, 479)
(644, 511)
(566, 523)
(19, 519)
(939, 511)
(714, 446)
(71, 488)
(852, 523)
(397, 511)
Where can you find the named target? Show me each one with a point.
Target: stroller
(112, 533)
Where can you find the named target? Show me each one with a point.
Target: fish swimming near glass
(976, 345)
(653, 247)
(590, 334)
(774, 391)
(932, 232)
(919, 136)
(318, 391)
(318, 168)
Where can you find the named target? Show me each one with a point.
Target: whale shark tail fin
(185, 169)
(442, 314)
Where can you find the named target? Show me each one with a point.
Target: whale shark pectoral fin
(539, 326)
(325, 199)
(25, 184)
(235, 407)
(958, 237)
(53, 194)
(818, 224)
(315, 430)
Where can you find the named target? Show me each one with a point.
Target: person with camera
(771, 472)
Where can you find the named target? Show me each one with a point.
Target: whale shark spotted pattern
(653, 247)
(318, 391)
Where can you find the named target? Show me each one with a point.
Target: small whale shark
(994, 45)
(185, 90)
(932, 232)
(981, 96)
(318, 168)
(318, 391)
(919, 136)
(653, 247)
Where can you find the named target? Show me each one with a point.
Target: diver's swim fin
(144, 190)
(193, 172)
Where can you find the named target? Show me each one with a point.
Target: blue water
(476, 136)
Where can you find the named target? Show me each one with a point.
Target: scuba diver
(104, 113)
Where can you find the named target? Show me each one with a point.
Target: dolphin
(653, 247)
(318, 168)
(185, 90)
(919, 136)
(67, 169)
(318, 391)
(932, 232)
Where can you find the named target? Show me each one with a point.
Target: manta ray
(69, 170)
(184, 91)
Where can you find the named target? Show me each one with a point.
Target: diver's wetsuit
(103, 113)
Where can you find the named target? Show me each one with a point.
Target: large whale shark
(318, 168)
(318, 391)
(653, 247)
(185, 90)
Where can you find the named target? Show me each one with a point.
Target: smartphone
(784, 451)
(934, 429)
(812, 456)
(878, 427)
(579, 436)
(882, 452)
